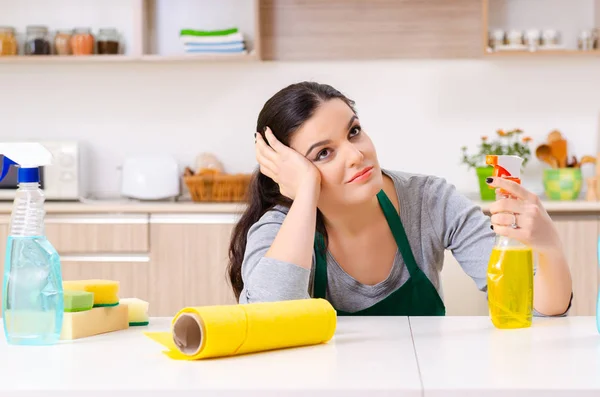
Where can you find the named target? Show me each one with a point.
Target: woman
(324, 220)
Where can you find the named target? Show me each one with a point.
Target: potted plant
(508, 143)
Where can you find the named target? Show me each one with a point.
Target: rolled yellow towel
(217, 331)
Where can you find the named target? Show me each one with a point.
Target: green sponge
(78, 301)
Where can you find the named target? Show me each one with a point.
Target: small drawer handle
(106, 258)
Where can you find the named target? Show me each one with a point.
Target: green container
(487, 193)
(563, 183)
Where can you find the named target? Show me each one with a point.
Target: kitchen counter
(133, 207)
(370, 357)
(374, 356)
(467, 356)
(189, 207)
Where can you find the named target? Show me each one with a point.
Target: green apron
(416, 297)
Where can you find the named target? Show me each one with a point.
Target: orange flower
(484, 138)
(501, 133)
(527, 139)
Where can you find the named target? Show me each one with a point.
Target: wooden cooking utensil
(544, 153)
(554, 136)
(559, 151)
(587, 159)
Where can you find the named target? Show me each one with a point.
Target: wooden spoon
(587, 159)
(544, 153)
(559, 151)
(554, 136)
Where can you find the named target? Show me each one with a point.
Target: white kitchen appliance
(62, 180)
(150, 177)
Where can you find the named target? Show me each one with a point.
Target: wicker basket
(216, 187)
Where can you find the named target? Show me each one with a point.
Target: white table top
(455, 356)
(368, 356)
(464, 356)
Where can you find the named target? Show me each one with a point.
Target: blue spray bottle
(32, 292)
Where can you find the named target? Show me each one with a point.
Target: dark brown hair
(283, 113)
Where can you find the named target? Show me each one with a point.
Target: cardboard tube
(188, 334)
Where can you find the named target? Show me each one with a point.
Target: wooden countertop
(188, 207)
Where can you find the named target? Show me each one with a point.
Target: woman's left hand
(530, 224)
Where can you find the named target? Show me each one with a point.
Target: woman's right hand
(288, 168)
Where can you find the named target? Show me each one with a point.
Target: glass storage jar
(108, 41)
(62, 42)
(8, 42)
(37, 42)
(82, 42)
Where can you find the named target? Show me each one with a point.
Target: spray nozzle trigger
(6, 163)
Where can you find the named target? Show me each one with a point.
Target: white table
(367, 357)
(455, 356)
(467, 356)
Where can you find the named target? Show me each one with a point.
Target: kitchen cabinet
(309, 29)
(375, 29)
(188, 261)
(98, 233)
(103, 246)
(579, 235)
(461, 296)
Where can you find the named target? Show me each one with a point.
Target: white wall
(419, 113)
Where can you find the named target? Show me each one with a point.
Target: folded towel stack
(212, 41)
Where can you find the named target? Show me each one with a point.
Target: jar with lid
(8, 42)
(585, 40)
(62, 42)
(550, 38)
(532, 39)
(82, 41)
(37, 42)
(496, 39)
(514, 38)
(108, 41)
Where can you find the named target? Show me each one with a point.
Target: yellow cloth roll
(218, 331)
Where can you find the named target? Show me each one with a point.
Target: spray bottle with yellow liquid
(510, 269)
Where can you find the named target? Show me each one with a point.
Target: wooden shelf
(149, 29)
(128, 58)
(542, 53)
(568, 18)
(306, 30)
(201, 58)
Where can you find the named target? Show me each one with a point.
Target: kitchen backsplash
(419, 113)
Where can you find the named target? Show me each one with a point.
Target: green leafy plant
(508, 143)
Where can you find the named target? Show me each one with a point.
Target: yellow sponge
(106, 292)
(99, 320)
(138, 311)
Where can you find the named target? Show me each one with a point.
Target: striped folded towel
(197, 47)
(227, 36)
(201, 51)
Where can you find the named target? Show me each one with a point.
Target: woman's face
(335, 143)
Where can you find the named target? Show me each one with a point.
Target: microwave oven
(61, 180)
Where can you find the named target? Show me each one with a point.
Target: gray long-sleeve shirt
(435, 216)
